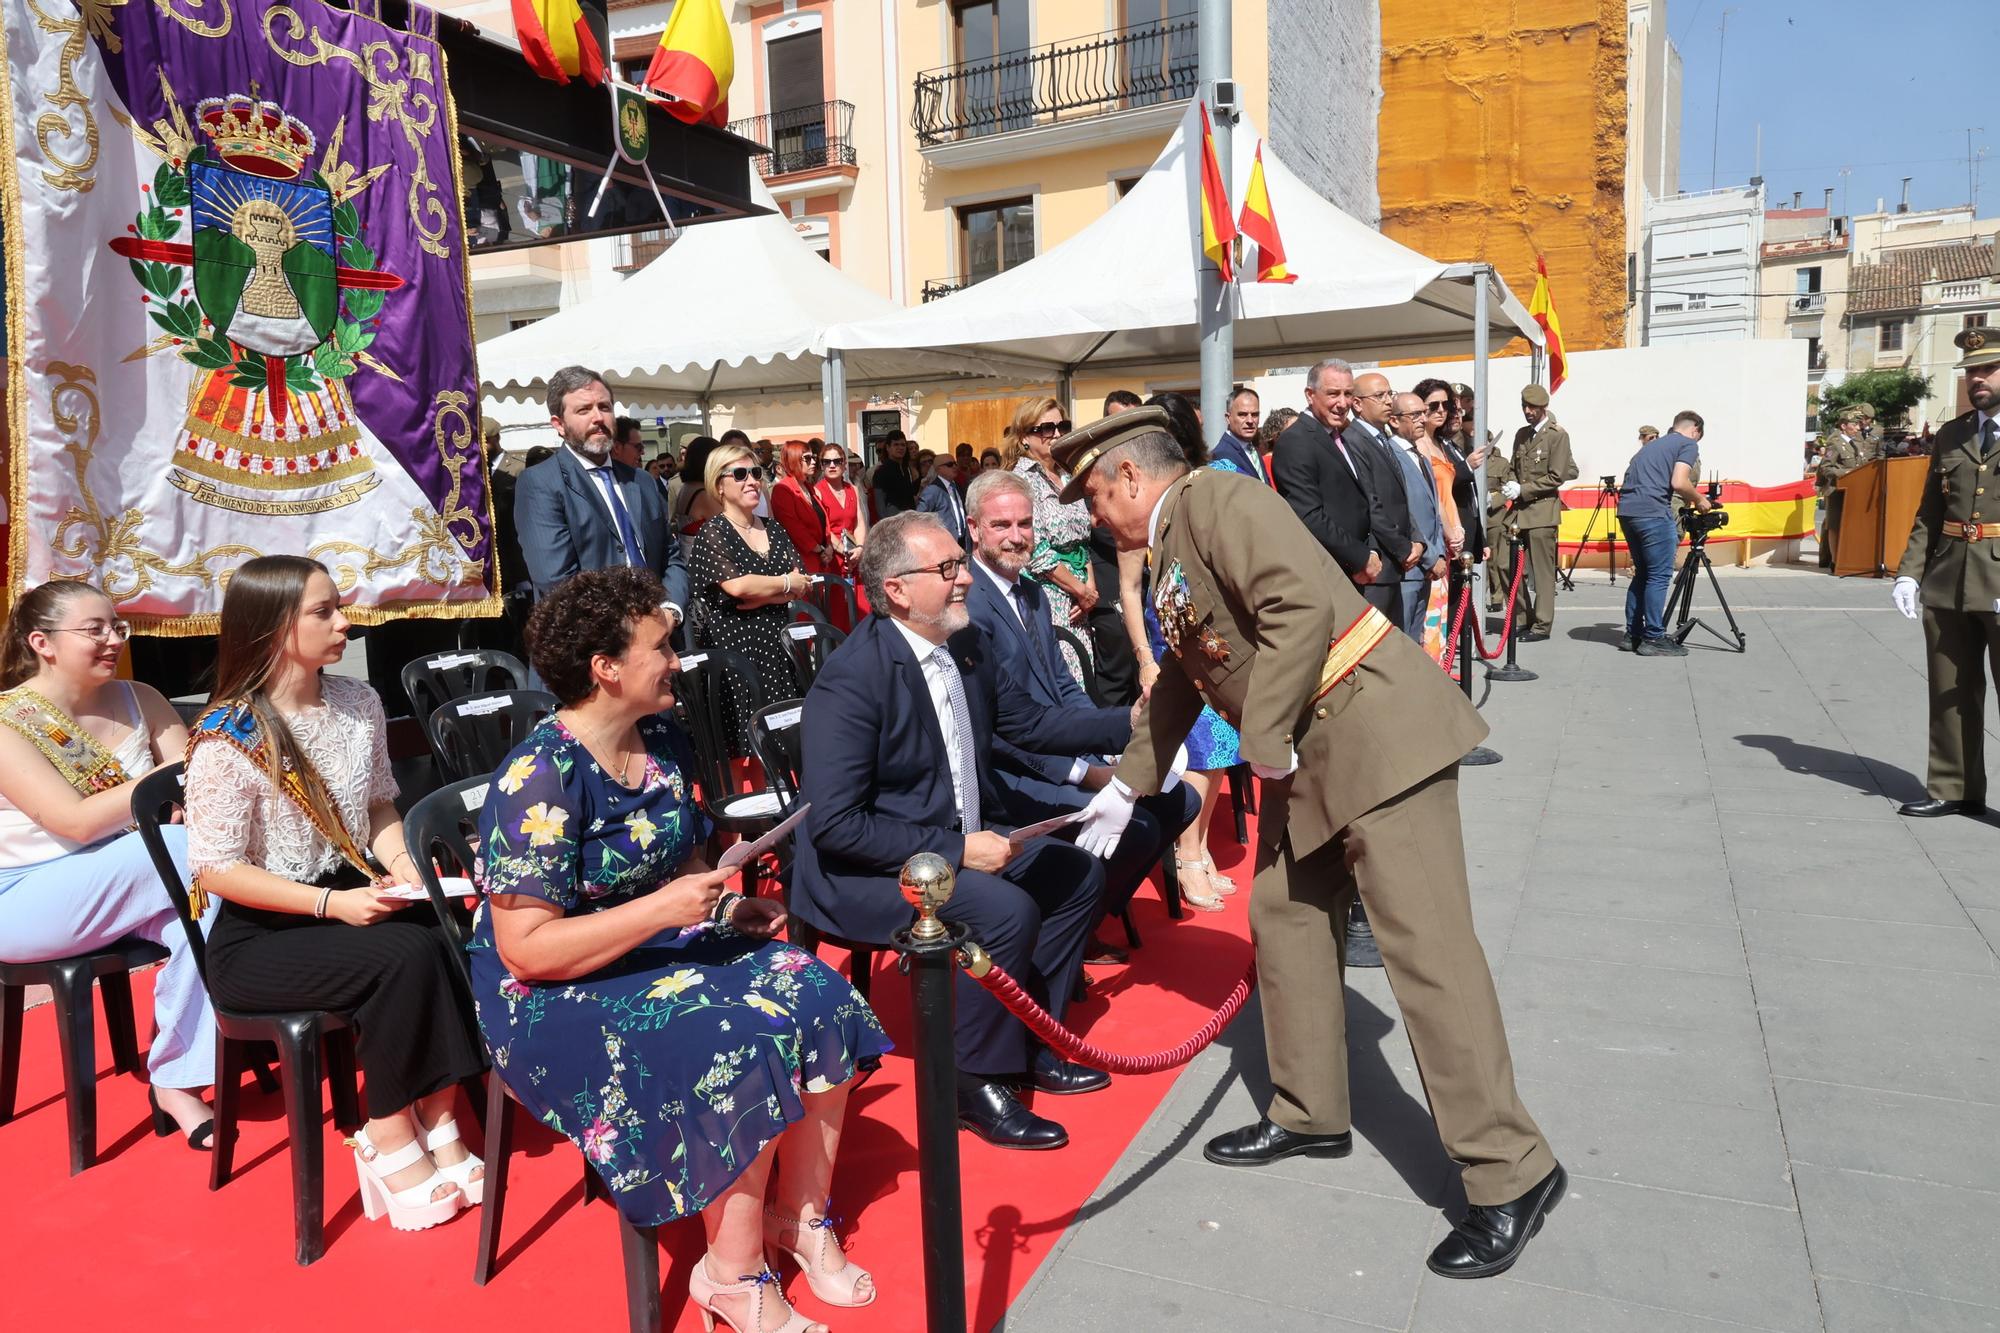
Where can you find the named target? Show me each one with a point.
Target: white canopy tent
(1123, 291)
(731, 310)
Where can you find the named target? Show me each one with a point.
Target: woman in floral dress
(634, 1004)
(1061, 558)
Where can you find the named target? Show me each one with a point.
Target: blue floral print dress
(673, 1067)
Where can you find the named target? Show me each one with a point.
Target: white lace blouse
(234, 816)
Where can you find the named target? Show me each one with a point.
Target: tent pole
(1066, 378)
(833, 375)
(706, 390)
(1481, 348)
(1218, 331)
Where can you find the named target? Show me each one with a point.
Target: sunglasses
(833, 460)
(740, 474)
(1438, 406)
(1051, 429)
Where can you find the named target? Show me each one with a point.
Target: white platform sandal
(411, 1209)
(460, 1173)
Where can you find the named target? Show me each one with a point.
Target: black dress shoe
(1931, 808)
(1264, 1143)
(1361, 947)
(1103, 953)
(1491, 1236)
(1063, 1078)
(1535, 636)
(991, 1111)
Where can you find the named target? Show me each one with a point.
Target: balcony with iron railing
(936, 289)
(1064, 84)
(1806, 303)
(801, 140)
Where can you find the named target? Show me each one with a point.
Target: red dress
(803, 523)
(843, 514)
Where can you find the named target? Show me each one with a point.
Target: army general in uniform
(1951, 572)
(1542, 462)
(1357, 736)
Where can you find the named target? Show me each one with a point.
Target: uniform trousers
(396, 979)
(89, 899)
(1406, 860)
(1961, 646)
(1542, 574)
(1034, 918)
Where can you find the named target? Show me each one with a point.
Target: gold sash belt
(1349, 647)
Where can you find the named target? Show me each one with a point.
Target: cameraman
(1662, 469)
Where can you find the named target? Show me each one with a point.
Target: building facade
(1803, 267)
(1699, 266)
(1918, 280)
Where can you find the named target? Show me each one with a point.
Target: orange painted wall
(1502, 135)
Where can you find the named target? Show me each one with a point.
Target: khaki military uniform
(1499, 531)
(1839, 457)
(1542, 462)
(1954, 553)
(1261, 626)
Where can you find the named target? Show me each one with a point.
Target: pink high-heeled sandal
(835, 1286)
(703, 1290)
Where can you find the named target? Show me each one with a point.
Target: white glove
(1270, 774)
(1105, 818)
(1175, 770)
(1511, 491)
(1904, 595)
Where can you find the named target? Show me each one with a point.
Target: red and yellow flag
(557, 40)
(1260, 224)
(1544, 311)
(1218, 227)
(695, 63)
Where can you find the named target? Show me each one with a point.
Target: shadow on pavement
(1878, 778)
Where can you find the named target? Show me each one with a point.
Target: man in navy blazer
(942, 497)
(580, 509)
(1238, 444)
(897, 742)
(1014, 612)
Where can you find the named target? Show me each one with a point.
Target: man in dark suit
(1347, 494)
(941, 496)
(1000, 511)
(580, 509)
(897, 738)
(1239, 443)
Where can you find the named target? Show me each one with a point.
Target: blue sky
(1883, 88)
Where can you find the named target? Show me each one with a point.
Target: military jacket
(1249, 605)
(1960, 487)
(1542, 462)
(1498, 473)
(1840, 457)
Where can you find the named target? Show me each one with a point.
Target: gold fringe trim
(17, 332)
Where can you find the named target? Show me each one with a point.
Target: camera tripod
(1680, 598)
(1607, 491)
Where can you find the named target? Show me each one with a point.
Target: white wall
(1751, 393)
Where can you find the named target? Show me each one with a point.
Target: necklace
(751, 526)
(624, 763)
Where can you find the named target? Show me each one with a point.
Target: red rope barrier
(1457, 628)
(1070, 1046)
(1506, 626)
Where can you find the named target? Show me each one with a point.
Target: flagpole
(1218, 330)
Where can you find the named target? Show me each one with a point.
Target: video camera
(1698, 524)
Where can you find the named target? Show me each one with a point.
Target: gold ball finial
(927, 883)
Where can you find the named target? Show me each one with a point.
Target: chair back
(778, 738)
(438, 678)
(1064, 634)
(830, 591)
(473, 734)
(155, 798)
(709, 678)
(809, 643)
(444, 828)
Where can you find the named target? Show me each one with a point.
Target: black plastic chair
(777, 738)
(472, 734)
(809, 643)
(68, 980)
(709, 680)
(444, 828)
(1064, 634)
(438, 678)
(829, 591)
(1242, 801)
(298, 1036)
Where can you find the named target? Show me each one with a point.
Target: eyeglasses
(1381, 394)
(944, 569)
(740, 474)
(1051, 429)
(118, 631)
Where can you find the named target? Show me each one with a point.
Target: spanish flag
(694, 64)
(1218, 230)
(1544, 311)
(557, 40)
(1260, 224)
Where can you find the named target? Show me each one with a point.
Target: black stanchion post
(1461, 581)
(1513, 670)
(929, 948)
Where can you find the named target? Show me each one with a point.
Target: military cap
(1980, 345)
(1650, 432)
(1534, 396)
(1863, 411)
(1077, 452)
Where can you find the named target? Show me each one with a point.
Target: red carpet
(138, 1240)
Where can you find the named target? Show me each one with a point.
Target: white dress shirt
(934, 682)
(1080, 767)
(603, 494)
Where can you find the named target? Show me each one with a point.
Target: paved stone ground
(1757, 1014)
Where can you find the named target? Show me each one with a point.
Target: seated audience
(74, 877)
(292, 824)
(897, 741)
(636, 1005)
(1000, 509)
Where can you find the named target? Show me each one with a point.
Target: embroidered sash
(75, 753)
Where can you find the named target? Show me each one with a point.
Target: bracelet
(788, 583)
(725, 907)
(319, 911)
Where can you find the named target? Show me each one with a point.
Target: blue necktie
(626, 533)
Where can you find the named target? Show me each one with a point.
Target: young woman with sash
(292, 826)
(74, 877)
